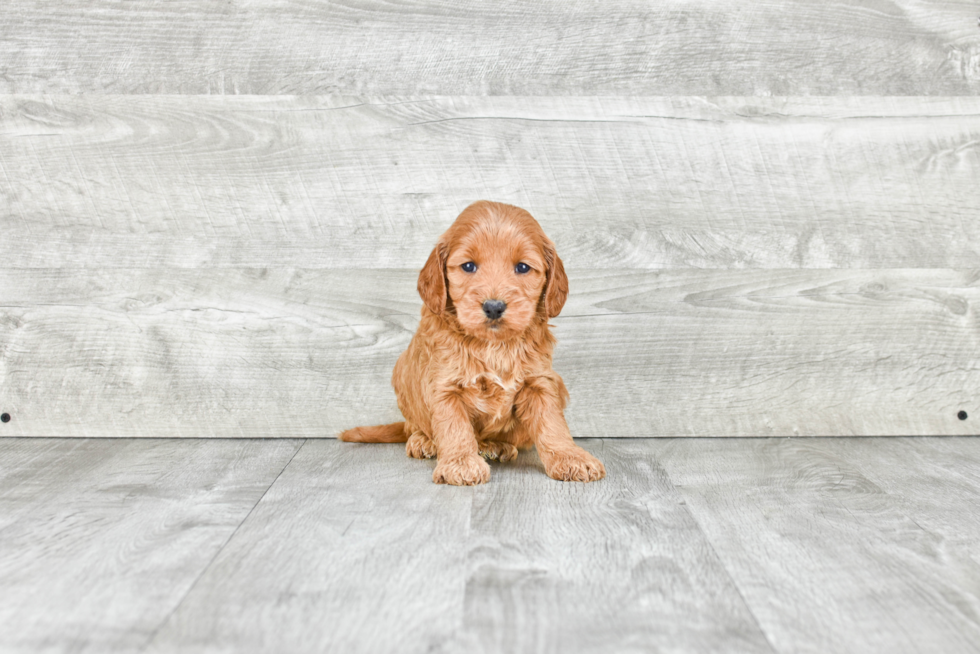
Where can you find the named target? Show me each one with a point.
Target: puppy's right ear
(432, 280)
(556, 284)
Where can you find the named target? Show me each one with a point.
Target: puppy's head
(496, 271)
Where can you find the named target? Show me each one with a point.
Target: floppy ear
(556, 282)
(432, 280)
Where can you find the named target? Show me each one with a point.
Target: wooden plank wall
(212, 213)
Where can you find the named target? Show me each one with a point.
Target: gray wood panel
(785, 545)
(553, 47)
(355, 550)
(614, 566)
(934, 481)
(617, 182)
(101, 539)
(826, 559)
(293, 352)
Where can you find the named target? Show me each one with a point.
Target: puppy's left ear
(556, 282)
(432, 280)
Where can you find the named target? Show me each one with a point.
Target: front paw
(573, 464)
(467, 471)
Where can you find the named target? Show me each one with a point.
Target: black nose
(494, 308)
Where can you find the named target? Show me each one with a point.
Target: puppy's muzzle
(493, 309)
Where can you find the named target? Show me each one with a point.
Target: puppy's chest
(490, 396)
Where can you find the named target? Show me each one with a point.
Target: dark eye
(469, 267)
(522, 268)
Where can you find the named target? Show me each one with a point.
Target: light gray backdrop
(212, 213)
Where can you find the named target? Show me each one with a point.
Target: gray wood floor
(689, 545)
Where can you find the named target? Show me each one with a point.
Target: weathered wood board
(100, 540)
(828, 560)
(934, 481)
(498, 47)
(620, 565)
(306, 353)
(749, 545)
(99, 182)
(354, 549)
(348, 552)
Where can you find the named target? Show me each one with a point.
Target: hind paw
(420, 446)
(496, 450)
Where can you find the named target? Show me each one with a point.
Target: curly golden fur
(477, 378)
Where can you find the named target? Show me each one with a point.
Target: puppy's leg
(540, 407)
(459, 461)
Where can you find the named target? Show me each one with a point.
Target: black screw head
(962, 415)
(5, 417)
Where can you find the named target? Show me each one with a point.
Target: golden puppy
(476, 378)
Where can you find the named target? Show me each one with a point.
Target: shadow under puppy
(476, 380)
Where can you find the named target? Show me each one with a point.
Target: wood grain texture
(355, 550)
(644, 183)
(298, 353)
(557, 47)
(614, 566)
(826, 559)
(750, 545)
(934, 481)
(101, 539)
